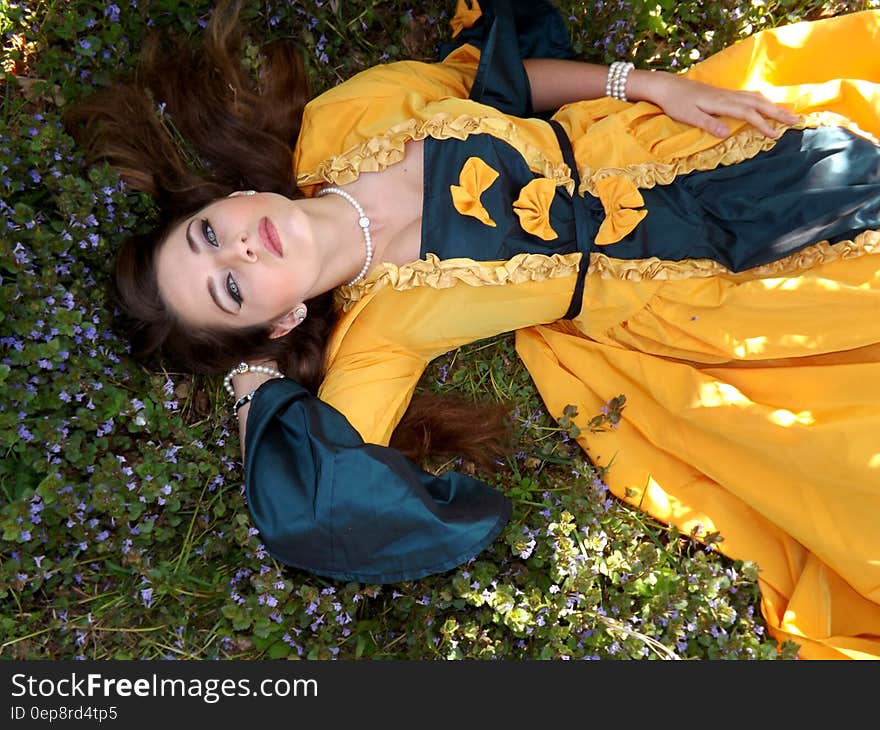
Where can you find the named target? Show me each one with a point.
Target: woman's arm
(245, 383)
(557, 82)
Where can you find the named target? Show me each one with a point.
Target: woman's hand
(699, 104)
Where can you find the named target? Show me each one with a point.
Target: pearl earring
(300, 314)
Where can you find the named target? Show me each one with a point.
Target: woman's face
(243, 260)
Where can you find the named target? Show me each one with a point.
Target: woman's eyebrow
(189, 238)
(212, 290)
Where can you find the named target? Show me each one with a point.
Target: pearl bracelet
(242, 368)
(615, 85)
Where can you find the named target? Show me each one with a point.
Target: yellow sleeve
(373, 101)
(381, 347)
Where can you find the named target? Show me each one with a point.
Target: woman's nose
(243, 248)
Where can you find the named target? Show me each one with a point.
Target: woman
(720, 271)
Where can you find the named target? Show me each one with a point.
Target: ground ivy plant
(123, 527)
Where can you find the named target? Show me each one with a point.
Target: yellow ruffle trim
(377, 153)
(467, 12)
(475, 178)
(433, 272)
(867, 242)
(740, 146)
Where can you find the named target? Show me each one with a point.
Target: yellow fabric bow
(474, 179)
(465, 16)
(619, 196)
(533, 208)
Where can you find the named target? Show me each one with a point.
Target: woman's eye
(233, 289)
(208, 233)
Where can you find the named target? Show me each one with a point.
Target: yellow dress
(753, 396)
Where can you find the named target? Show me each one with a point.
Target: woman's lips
(269, 237)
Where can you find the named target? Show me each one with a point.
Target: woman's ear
(290, 320)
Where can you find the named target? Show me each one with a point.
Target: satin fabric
(325, 501)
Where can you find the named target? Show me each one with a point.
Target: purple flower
(105, 427)
(20, 254)
(147, 596)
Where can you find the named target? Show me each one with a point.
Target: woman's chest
(394, 202)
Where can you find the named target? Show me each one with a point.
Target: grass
(123, 533)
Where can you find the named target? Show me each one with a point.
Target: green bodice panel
(813, 185)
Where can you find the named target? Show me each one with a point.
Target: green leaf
(279, 650)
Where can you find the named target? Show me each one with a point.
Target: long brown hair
(191, 125)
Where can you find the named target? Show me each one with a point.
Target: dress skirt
(752, 396)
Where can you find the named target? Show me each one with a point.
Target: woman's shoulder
(451, 77)
(371, 110)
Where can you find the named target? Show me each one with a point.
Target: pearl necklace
(363, 222)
